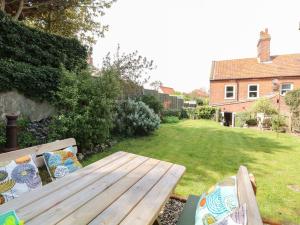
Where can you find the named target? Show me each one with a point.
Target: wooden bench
(39, 150)
(246, 194)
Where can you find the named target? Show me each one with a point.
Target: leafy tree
(85, 108)
(292, 99)
(133, 69)
(153, 103)
(265, 106)
(156, 84)
(69, 18)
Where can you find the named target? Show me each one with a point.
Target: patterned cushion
(217, 203)
(17, 177)
(237, 217)
(61, 163)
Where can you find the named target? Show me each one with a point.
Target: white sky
(183, 37)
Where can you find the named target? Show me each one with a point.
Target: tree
(292, 99)
(69, 18)
(132, 67)
(265, 106)
(156, 84)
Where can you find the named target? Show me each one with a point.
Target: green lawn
(211, 152)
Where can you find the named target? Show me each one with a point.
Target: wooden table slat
(35, 195)
(44, 204)
(66, 207)
(147, 211)
(95, 206)
(121, 207)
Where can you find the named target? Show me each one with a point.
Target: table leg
(157, 222)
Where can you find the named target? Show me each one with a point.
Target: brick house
(236, 84)
(166, 90)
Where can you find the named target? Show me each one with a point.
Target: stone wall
(15, 103)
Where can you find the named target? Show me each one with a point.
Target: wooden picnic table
(122, 188)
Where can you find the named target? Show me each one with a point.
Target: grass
(211, 152)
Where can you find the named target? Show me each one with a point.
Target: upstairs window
(284, 88)
(229, 92)
(253, 91)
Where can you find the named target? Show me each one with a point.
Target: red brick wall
(241, 101)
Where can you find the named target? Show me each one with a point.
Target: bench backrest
(39, 150)
(246, 195)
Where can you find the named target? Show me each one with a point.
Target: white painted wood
(45, 205)
(63, 208)
(149, 207)
(95, 206)
(115, 213)
(246, 195)
(54, 186)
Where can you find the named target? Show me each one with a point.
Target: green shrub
(135, 118)
(25, 137)
(170, 119)
(206, 112)
(2, 133)
(278, 123)
(243, 118)
(30, 60)
(184, 114)
(24, 44)
(153, 103)
(264, 105)
(85, 108)
(171, 112)
(35, 82)
(201, 112)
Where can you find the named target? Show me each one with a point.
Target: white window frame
(252, 91)
(292, 88)
(225, 91)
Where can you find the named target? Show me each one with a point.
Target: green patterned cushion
(61, 163)
(17, 177)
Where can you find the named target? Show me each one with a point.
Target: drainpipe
(11, 133)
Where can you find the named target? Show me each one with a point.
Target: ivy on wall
(31, 60)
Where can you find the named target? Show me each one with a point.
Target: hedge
(35, 82)
(31, 60)
(24, 44)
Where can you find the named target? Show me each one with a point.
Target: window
(284, 88)
(229, 92)
(253, 91)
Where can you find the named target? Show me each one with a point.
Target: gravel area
(171, 212)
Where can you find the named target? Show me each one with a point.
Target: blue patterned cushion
(17, 177)
(61, 163)
(217, 203)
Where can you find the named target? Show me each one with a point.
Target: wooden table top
(122, 188)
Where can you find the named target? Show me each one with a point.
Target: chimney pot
(263, 46)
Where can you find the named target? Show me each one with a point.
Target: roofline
(247, 78)
(212, 70)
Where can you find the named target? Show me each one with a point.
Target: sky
(184, 37)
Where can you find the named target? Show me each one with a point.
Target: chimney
(263, 46)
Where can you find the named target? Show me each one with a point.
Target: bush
(153, 103)
(24, 44)
(184, 114)
(25, 137)
(170, 119)
(31, 59)
(85, 108)
(171, 112)
(202, 112)
(135, 118)
(265, 106)
(35, 82)
(243, 118)
(2, 133)
(278, 123)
